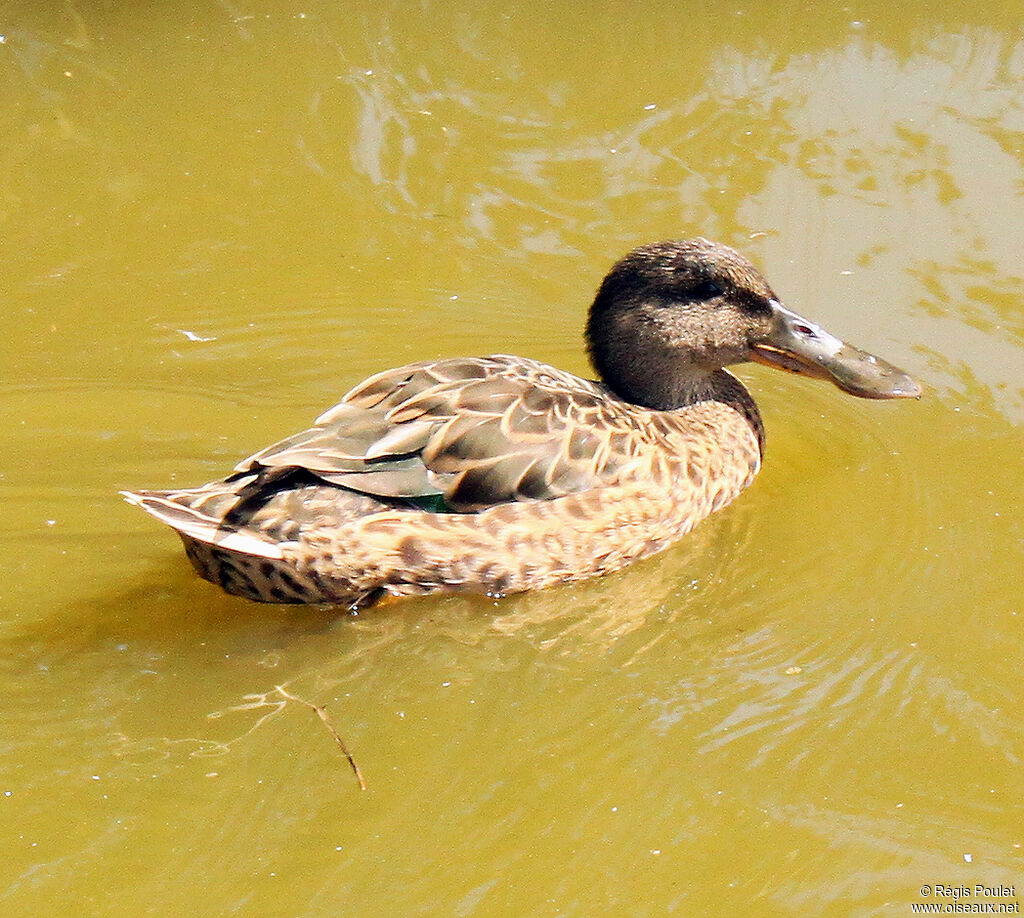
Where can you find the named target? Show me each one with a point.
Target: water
(217, 217)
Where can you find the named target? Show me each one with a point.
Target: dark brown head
(670, 315)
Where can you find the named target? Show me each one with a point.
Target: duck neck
(678, 391)
(728, 390)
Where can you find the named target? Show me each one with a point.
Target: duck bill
(799, 346)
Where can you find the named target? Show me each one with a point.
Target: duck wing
(462, 435)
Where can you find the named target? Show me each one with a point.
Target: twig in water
(322, 714)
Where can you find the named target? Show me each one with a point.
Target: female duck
(502, 474)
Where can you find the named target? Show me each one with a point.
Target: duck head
(671, 315)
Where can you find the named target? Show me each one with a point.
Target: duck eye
(705, 290)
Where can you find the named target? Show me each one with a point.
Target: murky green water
(216, 217)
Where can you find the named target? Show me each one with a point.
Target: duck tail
(175, 509)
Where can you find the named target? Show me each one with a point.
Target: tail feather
(169, 508)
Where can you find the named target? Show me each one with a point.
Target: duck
(502, 474)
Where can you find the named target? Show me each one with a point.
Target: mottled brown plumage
(502, 474)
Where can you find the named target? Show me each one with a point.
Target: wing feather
(475, 432)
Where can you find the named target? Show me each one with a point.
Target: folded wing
(462, 435)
